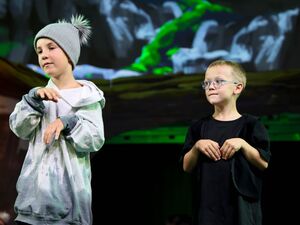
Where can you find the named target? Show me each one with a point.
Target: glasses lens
(204, 84)
(218, 83)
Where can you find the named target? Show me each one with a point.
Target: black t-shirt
(217, 196)
(219, 184)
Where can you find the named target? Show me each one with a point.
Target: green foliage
(150, 57)
(6, 47)
(88, 76)
(172, 51)
(162, 70)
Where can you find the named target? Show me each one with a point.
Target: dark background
(143, 184)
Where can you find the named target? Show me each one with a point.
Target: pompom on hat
(68, 35)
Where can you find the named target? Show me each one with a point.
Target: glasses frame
(217, 83)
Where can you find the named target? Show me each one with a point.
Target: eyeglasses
(216, 83)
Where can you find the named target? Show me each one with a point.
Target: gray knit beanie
(69, 36)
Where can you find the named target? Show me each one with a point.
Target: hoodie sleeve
(88, 133)
(26, 115)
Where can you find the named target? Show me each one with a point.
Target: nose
(44, 55)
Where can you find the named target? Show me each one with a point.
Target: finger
(45, 95)
(225, 154)
(57, 133)
(41, 93)
(214, 153)
(226, 151)
(51, 96)
(45, 138)
(48, 134)
(230, 154)
(50, 138)
(55, 95)
(216, 150)
(223, 151)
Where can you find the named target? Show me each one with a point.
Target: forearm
(26, 115)
(190, 159)
(88, 133)
(34, 100)
(253, 156)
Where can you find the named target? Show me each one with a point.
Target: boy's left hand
(52, 129)
(230, 146)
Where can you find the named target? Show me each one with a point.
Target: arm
(206, 147)
(253, 156)
(28, 112)
(26, 115)
(87, 135)
(190, 159)
(189, 154)
(232, 145)
(257, 153)
(257, 149)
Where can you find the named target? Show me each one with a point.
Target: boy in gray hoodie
(63, 124)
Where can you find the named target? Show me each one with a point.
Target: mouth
(46, 65)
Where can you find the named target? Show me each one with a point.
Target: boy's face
(52, 59)
(221, 87)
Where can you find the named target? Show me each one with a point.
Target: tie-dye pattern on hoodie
(54, 186)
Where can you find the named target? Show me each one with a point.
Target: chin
(212, 100)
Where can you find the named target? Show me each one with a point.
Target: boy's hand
(52, 129)
(209, 148)
(231, 146)
(48, 94)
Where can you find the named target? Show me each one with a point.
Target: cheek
(40, 60)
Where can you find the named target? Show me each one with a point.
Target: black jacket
(246, 178)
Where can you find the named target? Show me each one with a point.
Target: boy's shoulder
(250, 118)
(200, 121)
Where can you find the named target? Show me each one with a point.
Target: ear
(238, 89)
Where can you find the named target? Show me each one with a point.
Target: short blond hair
(237, 70)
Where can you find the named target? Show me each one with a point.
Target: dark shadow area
(143, 184)
(281, 189)
(138, 184)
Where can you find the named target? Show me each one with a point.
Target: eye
(51, 47)
(219, 81)
(205, 84)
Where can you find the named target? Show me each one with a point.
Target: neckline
(226, 121)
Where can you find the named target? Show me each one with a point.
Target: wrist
(33, 93)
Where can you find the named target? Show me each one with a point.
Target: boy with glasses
(227, 152)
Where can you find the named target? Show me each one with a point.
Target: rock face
(261, 40)
(262, 43)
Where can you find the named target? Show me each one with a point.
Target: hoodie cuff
(69, 122)
(34, 100)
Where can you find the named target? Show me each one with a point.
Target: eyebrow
(217, 78)
(51, 43)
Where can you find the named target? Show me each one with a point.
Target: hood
(89, 94)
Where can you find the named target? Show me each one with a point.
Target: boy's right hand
(48, 94)
(53, 131)
(209, 148)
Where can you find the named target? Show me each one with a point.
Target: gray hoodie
(54, 186)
